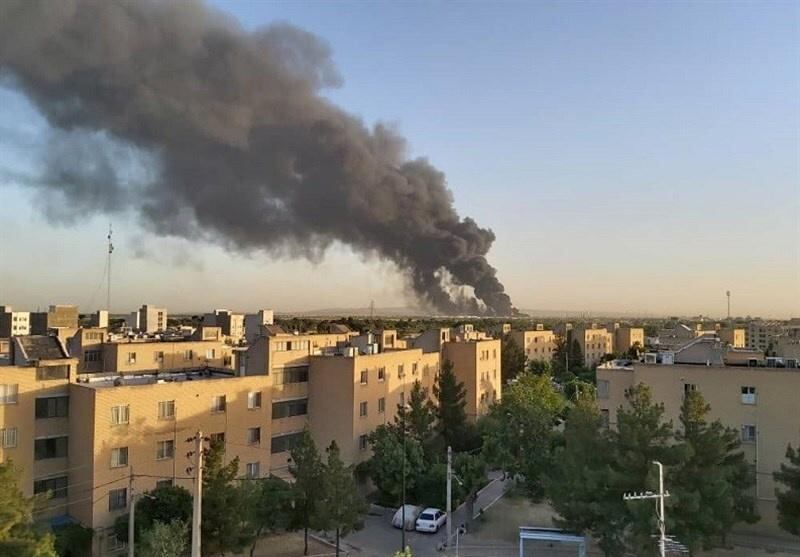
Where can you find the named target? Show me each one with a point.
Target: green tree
(225, 505)
(579, 487)
(470, 471)
(708, 496)
(18, 537)
(306, 469)
(386, 465)
(789, 499)
(341, 504)
(576, 361)
(163, 504)
(519, 432)
(73, 540)
(419, 416)
(269, 508)
(540, 367)
(165, 539)
(642, 436)
(512, 359)
(451, 410)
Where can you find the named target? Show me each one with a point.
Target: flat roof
(105, 381)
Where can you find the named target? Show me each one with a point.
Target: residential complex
(56, 317)
(755, 396)
(626, 337)
(538, 344)
(595, 342)
(14, 323)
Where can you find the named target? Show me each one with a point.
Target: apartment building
(86, 345)
(625, 337)
(142, 355)
(254, 322)
(762, 335)
(56, 317)
(595, 342)
(736, 337)
(476, 363)
(352, 393)
(151, 319)
(231, 324)
(14, 323)
(538, 344)
(758, 401)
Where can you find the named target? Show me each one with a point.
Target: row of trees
(237, 512)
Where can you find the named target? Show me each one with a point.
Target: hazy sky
(637, 157)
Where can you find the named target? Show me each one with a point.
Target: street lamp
(403, 507)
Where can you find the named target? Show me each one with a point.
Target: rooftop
(98, 381)
(41, 347)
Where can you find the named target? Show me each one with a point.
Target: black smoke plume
(249, 153)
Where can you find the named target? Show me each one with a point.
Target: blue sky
(638, 157)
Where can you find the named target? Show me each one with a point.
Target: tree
(419, 416)
(519, 430)
(269, 507)
(540, 367)
(789, 500)
(471, 473)
(165, 539)
(709, 496)
(642, 436)
(512, 359)
(163, 504)
(451, 411)
(579, 487)
(73, 540)
(386, 465)
(225, 504)
(18, 537)
(341, 504)
(306, 469)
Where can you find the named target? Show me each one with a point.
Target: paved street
(379, 539)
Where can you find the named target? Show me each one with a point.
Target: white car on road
(430, 520)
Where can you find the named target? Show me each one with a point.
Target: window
(290, 375)
(166, 410)
(362, 443)
(119, 457)
(289, 408)
(381, 373)
(114, 544)
(688, 388)
(92, 356)
(362, 409)
(253, 435)
(604, 416)
(8, 437)
(165, 449)
(120, 415)
(211, 353)
(52, 372)
(282, 443)
(400, 371)
(117, 499)
(602, 388)
(402, 399)
(51, 447)
(748, 395)
(414, 368)
(188, 355)
(55, 488)
(163, 483)
(494, 354)
(254, 400)
(364, 376)
(218, 404)
(158, 357)
(253, 470)
(131, 358)
(52, 407)
(381, 405)
(8, 394)
(217, 438)
(748, 433)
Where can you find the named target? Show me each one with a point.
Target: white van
(412, 513)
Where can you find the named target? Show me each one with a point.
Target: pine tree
(269, 508)
(451, 411)
(789, 499)
(708, 495)
(386, 465)
(419, 416)
(306, 469)
(579, 486)
(341, 505)
(17, 534)
(512, 359)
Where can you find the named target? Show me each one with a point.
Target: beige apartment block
(477, 364)
(734, 337)
(350, 396)
(152, 319)
(143, 355)
(538, 344)
(86, 345)
(625, 337)
(595, 342)
(14, 323)
(231, 324)
(758, 402)
(56, 317)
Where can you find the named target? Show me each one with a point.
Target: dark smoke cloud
(250, 155)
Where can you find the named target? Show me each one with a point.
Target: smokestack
(245, 150)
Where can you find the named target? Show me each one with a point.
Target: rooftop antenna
(108, 286)
(728, 294)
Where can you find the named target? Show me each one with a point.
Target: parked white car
(431, 520)
(412, 513)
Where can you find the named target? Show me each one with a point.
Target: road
(379, 539)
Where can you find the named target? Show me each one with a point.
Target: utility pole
(728, 294)
(449, 494)
(197, 500)
(108, 286)
(131, 515)
(403, 511)
(662, 538)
